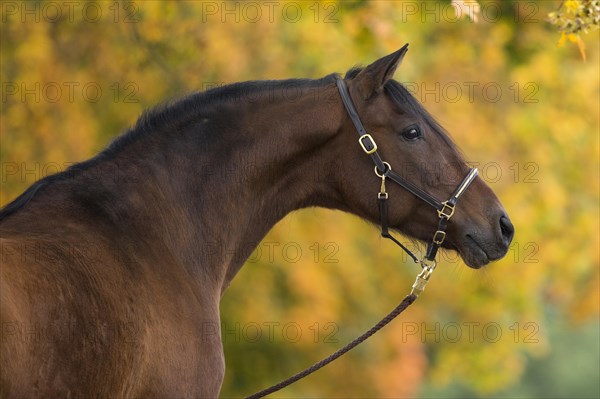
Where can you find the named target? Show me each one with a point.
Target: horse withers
(112, 269)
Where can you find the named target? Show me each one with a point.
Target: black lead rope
(444, 209)
(382, 323)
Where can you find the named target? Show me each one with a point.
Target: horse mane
(166, 115)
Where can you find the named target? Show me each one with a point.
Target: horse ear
(371, 80)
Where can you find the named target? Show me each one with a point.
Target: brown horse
(108, 287)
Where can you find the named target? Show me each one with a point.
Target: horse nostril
(508, 230)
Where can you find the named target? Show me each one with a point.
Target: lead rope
(428, 264)
(391, 316)
(417, 288)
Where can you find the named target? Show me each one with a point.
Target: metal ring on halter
(389, 167)
(428, 264)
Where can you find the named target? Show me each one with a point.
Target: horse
(108, 285)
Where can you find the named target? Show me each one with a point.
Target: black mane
(164, 116)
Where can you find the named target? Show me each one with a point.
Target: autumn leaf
(573, 38)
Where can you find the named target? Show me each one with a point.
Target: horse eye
(412, 133)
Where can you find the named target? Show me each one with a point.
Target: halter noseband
(383, 170)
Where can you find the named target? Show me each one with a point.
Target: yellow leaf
(581, 46)
(562, 40)
(573, 38)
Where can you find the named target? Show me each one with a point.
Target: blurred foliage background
(523, 109)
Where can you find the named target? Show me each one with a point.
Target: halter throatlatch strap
(383, 210)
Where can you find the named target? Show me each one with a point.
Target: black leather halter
(383, 170)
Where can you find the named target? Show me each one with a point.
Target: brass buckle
(447, 210)
(367, 143)
(439, 237)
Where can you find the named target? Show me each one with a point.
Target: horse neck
(212, 190)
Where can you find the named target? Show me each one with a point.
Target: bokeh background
(524, 110)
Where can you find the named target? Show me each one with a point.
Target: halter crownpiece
(383, 170)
